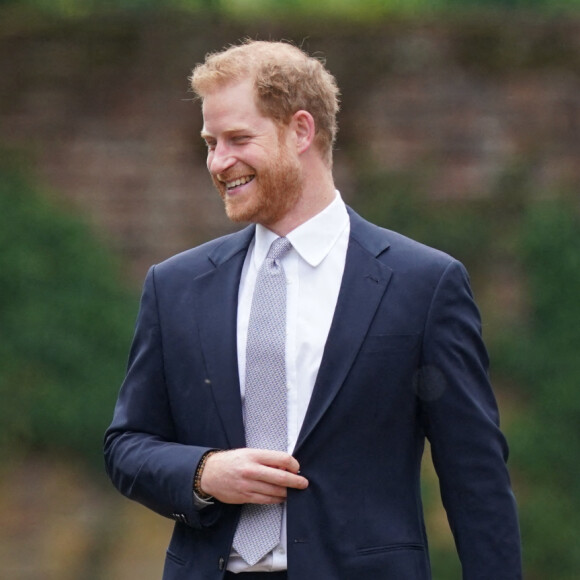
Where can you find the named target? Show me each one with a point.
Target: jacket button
(221, 563)
(181, 518)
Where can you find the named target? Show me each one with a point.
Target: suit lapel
(364, 282)
(216, 294)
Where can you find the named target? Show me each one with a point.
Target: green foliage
(458, 227)
(542, 357)
(367, 10)
(65, 324)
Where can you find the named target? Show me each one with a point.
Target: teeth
(239, 181)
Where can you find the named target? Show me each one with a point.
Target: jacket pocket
(393, 561)
(175, 558)
(389, 548)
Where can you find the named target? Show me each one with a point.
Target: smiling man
(283, 379)
(251, 159)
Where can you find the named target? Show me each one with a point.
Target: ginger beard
(275, 189)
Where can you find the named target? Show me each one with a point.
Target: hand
(251, 476)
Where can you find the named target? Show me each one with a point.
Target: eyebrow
(239, 129)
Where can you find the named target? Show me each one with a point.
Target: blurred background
(460, 127)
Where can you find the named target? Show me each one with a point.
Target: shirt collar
(313, 239)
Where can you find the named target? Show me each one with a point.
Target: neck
(319, 192)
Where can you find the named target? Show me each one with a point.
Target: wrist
(198, 474)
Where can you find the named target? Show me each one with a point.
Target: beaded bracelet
(198, 472)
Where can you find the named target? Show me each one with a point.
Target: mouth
(232, 184)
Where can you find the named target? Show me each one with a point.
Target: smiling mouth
(237, 182)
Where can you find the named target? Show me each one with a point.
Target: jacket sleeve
(462, 424)
(143, 458)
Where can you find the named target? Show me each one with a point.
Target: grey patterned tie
(258, 531)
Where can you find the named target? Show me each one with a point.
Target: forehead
(230, 105)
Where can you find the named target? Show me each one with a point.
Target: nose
(219, 159)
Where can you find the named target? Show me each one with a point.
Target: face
(252, 164)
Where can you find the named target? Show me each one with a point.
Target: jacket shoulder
(200, 259)
(396, 249)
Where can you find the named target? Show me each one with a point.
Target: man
(282, 379)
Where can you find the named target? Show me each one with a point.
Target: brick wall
(103, 109)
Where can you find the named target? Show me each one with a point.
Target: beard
(276, 190)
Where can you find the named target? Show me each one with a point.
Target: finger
(281, 478)
(297, 482)
(266, 493)
(273, 492)
(264, 499)
(278, 459)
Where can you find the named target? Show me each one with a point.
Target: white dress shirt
(314, 268)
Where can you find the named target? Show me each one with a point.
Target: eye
(210, 144)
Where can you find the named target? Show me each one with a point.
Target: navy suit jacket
(404, 360)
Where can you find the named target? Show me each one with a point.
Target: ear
(304, 130)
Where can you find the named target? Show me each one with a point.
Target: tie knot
(279, 248)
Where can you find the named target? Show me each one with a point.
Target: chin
(237, 214)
